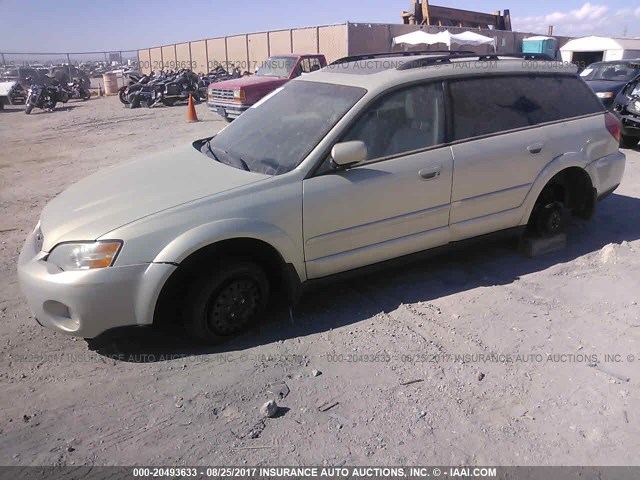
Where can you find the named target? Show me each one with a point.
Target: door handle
(429, 173)
(535, 149)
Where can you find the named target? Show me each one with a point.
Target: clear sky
(96, 25)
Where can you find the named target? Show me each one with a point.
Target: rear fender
(558, 164)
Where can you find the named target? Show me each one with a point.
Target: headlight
(238, 95)
(605, 94)
(84, 256)
(634, 107)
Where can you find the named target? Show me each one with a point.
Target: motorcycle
(167, 88)
(135, 83)
(42, 97)
(63, 94)
(77, 91)
(178, 89)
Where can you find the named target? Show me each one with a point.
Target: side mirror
(345, 154)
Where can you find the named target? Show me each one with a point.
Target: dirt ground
(393, 387)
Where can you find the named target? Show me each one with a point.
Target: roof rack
(369, 56)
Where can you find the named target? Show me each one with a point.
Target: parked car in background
(230, 98)
(608, 78)
(12, 93)
(25, 76)
(627, 107)
(65, 75)
(341, 169)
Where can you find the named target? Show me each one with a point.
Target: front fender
(210, 233)
(562, 162)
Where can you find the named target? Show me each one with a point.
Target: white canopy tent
(420, 37)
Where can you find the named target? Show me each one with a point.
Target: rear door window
(488, 105)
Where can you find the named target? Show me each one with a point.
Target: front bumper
(630, 125)
(228, 110)
(89, 302)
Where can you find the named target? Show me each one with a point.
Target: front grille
(221, 94)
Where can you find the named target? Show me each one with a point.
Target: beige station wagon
(370, 159)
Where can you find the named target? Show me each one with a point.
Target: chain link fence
(90, 65)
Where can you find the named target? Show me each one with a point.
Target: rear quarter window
(488, 105)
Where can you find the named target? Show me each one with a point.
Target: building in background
(421, 13)
(587, 50)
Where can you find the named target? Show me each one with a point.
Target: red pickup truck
(230, 98)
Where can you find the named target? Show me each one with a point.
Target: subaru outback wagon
(369, 159)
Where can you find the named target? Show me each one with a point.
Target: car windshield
(633, 89)
(10, 73)
(277, 67)
(276, 134)
(615, 72)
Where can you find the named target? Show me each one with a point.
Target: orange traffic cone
(191, 111)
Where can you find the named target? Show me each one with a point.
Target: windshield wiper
(230, 160)
(207, 150)
(244, 164)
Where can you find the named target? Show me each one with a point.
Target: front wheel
(28, 108)
(85, 94)
(124, 98)
(226, 302)
(628, 142)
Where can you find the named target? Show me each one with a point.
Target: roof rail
(369, 56)
(524, 56)
(437, 60)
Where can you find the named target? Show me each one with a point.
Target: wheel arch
(570, 167)
(264, 244)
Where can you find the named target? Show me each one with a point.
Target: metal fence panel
(305, 40)
(183, 56)
(280, 42)
(333, 41)
(144, 57)
(169, 57)
(156, 59)
(237, 51)
(199, 56)
(217, 53)
(258, 50)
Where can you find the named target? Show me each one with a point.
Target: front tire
(123, 97)
(628, 142)
(28, 108)
(223, 304)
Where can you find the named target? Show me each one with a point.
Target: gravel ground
(390, 385)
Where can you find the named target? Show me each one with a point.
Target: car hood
(605, 85)
(128, 192)
(247, 81)
(6, 86)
